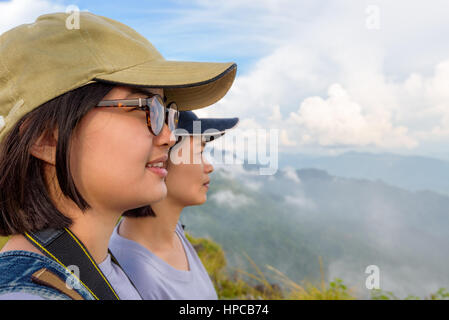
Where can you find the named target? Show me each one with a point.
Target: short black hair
(25, 202)
(145, 211)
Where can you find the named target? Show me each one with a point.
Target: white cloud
(300, 202)
(290, 173)
(276, 81)
(285, 140)
(234, 172)
(330, 82)
(252, 185)
(230, 199)
(339, 120)
(17, 12)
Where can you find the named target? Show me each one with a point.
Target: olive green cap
(45, 59)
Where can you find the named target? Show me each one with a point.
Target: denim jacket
(17, 267)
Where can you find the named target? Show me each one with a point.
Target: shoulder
(15, 264)
(30, 273)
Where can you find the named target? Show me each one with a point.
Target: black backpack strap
(66, 249)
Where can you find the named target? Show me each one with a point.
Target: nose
(208, 167)
(165, 138)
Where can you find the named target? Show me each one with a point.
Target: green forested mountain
(291, 219)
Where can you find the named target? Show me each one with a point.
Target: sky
(331, 76)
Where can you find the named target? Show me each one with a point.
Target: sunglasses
(157, 112)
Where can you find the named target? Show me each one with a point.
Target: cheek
(108, 162)
(184, 183)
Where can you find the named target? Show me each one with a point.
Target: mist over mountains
(408, 172)
(290, 219)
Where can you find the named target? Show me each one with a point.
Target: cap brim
(216, 127)
(192, 85)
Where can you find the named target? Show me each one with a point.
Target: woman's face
(110, 151)
(188, 182)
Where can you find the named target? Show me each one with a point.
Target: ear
(45, 147)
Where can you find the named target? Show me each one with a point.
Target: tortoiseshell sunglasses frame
(145, 105)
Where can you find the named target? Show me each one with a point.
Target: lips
(158, 166)
(206, 184)
(160, 162)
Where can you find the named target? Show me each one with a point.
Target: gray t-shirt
(116, 277)
(157, 280)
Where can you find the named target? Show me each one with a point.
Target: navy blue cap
(215, 127)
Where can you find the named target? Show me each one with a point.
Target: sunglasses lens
(172, 117)
(157, 115)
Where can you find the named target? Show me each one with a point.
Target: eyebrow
(145, 92)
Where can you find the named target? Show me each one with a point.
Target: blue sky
(332, 76)
(196, 40)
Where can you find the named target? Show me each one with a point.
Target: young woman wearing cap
(101, 164)
(70, 163)
(152, 247)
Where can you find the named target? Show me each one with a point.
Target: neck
(154, 233)
(93, 227)
(94, 231)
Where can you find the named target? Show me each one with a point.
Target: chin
(202, 199)
(197, 201)
(157, 194)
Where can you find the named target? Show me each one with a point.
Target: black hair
(25, 203)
